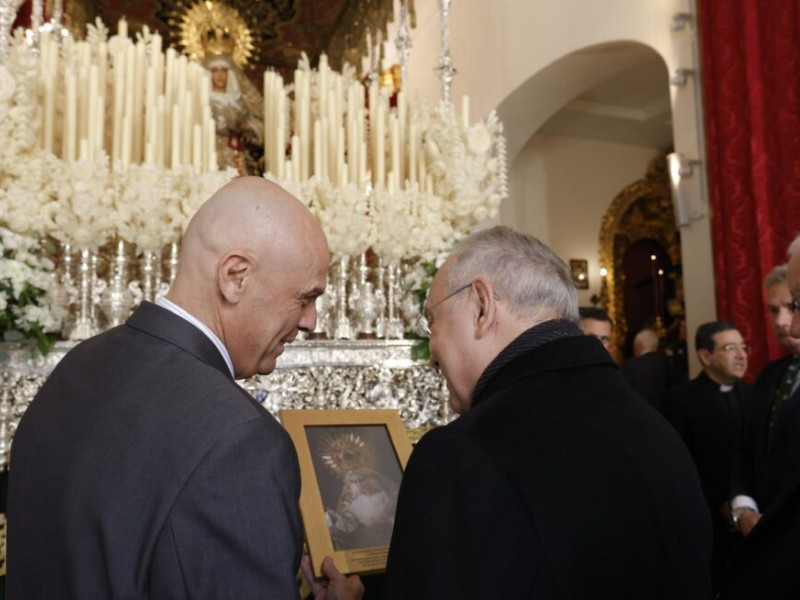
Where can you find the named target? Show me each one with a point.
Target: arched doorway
(640, 250)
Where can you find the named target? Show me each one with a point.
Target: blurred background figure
(649, 372)
(596, 322)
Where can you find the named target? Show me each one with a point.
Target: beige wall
(575, 180)
(529, 58)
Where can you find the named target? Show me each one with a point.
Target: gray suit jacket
(141, 470)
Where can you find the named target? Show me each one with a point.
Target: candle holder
(394, 324)
(117, 299)
(344, 329)
(90, 289)
(380, 299)
(445, 69)
(172, 262)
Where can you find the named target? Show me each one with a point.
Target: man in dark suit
(771, 451)
(764, 565)
(557, 480)
(141, 469)
(708, 412)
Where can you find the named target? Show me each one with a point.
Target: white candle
(71, 117)
(317, 149)
(119, 107)
(362, 165)
(380, 143)
(197, 148)
(100, 128)
(325, 146)
(296, 158)
(394, 139)
(127, 130)
(92, 116)
(212, 149)
(186, 130)
(175, 156)
(465, 111)
(122, 27)
(280, 137)
(49, 111)
(412, 153)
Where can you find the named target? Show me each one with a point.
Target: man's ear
(232, 276)
(486, 317)
(705, 356)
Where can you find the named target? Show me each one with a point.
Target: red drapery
(751, 80)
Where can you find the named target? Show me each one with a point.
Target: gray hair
(776, 276)
(521, 268)
(794, 247)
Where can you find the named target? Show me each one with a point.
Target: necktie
(784, 390)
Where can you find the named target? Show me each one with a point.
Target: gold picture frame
(351, 464)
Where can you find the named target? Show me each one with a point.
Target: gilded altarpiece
(642, 210)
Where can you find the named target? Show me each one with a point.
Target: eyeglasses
(422, 320)
(794, 305)
(734, 347)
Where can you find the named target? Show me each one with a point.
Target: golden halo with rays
(344, 453)
(212, 28)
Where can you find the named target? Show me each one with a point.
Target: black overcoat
(560, 482)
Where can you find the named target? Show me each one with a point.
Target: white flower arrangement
(27, 314)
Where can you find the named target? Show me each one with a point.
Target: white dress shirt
(175, 309)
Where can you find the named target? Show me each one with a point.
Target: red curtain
(751, 80)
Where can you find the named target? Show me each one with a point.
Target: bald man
(141, 469)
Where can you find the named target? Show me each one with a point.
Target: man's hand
(334, 585)
(748, 520)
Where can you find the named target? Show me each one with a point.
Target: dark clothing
(560, 482)
(142, 470)
(764, 565)
(769, 459)
(651, 375)
(711, 424)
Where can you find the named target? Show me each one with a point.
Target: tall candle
(394, 139)
(175, 147)
(412, 153)
(92, 116)
(49, 111)
(122, 27)
(317, 149)
(127, 130)
(465, 111)
(197, 147)
(296, 157)
(71, 117)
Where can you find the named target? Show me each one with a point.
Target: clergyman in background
(708, 413)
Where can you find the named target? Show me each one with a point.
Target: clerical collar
(536, 336)
(725, 388)
(177, 310)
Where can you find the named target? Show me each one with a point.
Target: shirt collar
(177, 310)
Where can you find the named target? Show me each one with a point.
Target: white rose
(478, 139)
(7, 85)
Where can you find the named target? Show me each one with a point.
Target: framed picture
(351, 465)
(580, 273)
